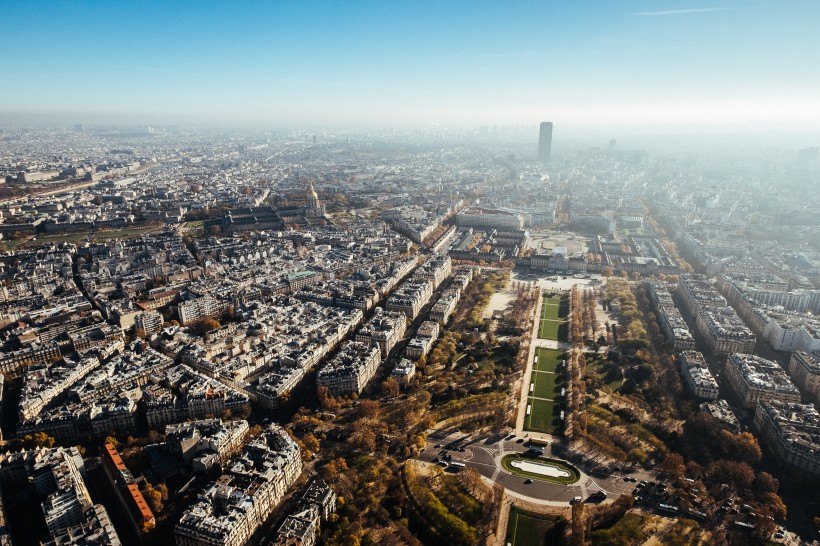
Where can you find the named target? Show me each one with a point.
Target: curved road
(484, 455)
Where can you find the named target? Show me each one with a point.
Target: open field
(545, 398)
(544, 417)
(555, 330)
(549, 360)
(547, 385)
(553, 325)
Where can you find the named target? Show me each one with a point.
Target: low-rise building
(404, 371)
(696, 292)
(722, 411)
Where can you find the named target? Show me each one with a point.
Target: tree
(203, 326)
(310, 442)
(673, 465)
(154, 498)
(368, 409)
(332, 470)
(765, 483)
(743, 446)
(38, 439)
(740, 475)
(163, 489)
(637, 455)
(328, 402)
(390, 387)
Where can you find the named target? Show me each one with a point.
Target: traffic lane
(482, 457)
(542, 490)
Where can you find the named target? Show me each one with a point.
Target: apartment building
(697, 376)
(790, 431)
(350, 370)
(383, 330)
(804, 369)
(231, 509)
(723, 331)
(753, 379)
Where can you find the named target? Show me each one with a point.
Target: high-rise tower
(545, 141)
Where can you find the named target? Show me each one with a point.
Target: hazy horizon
(652, 66)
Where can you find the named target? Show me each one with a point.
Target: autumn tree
(390, 387)
(328, 402)
(368, 409)
(203, 326)
(38, 439)
(154, 498)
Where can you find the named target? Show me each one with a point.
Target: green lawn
(550, 311)
(549, 359)
(563, 309)
(547, 385)
(555, 330)
(544, 416)
(528, 529)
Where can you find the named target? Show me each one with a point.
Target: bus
(537, 442)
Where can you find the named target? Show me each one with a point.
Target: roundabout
(540, 468)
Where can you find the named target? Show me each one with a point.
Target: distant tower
(314, 208)
(612, 145)
(545, 141)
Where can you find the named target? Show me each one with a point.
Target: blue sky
(413, 63)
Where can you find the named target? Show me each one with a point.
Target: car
(528, 481)
(438, 445)
(575, 499)
(520, 441)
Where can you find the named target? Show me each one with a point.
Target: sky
(412, 63)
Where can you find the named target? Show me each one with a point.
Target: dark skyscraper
(545, 141)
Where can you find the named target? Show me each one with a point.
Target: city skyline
(645, 64)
